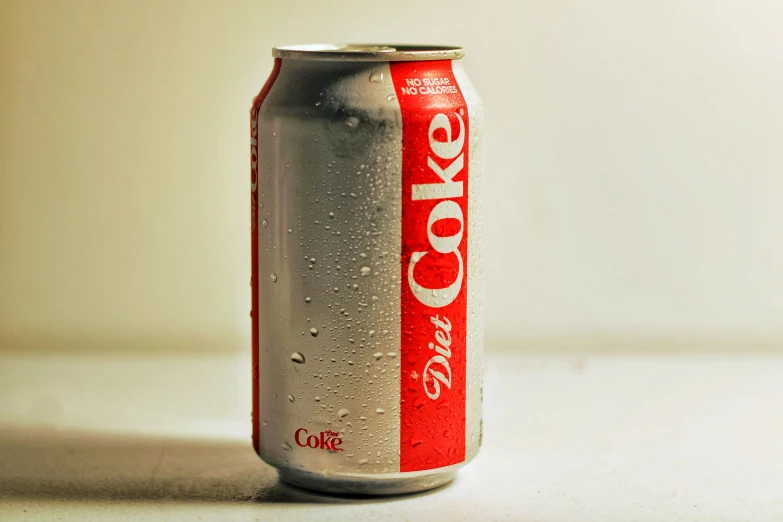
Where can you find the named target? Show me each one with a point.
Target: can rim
(369, 52)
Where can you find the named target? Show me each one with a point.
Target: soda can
(367, 323)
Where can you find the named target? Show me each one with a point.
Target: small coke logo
(328, 440)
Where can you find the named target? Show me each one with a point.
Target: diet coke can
(366, 189)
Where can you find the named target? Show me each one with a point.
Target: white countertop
(566, 438)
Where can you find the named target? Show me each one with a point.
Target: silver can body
(355, 272)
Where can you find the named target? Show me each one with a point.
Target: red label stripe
(254, 239)
(435, 133)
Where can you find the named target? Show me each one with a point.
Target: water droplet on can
(291, 398)
(343, 413)
(286, 446)
(264, 223)
(380, 411)
(377, 355)
(391, 97)
(297, 357)
(352, 121)
(376, 77)
(365, 270)
(274, 278)
(314, 332)
(307, 299)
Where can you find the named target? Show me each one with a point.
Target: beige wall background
(635, 165)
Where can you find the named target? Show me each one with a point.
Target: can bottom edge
(396, 484)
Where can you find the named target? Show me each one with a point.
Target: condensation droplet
(380, 411)
(376, 77)
(314, 332)
(391, 354)
(365, 270)
(391, 97)
(286, 446)
(377, 355)
(297, 357)
(343, 413)
(317, 398)
(307, 299)
(264, 223)
(291, 398)
(352, 121)
(274, 278)
(363, 461)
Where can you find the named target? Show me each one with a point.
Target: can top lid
(369, 52)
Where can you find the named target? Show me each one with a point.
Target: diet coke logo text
(253, 151)
(437, 371)
(253, 167)
(433, 372)
(451, 149)
(328, 440)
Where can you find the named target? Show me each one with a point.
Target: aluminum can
(367, 321)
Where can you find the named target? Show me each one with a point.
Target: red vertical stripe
(434, 239)
(254, 137)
